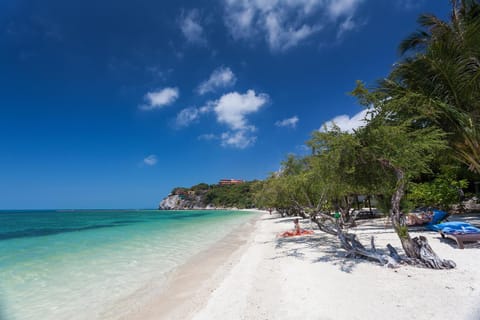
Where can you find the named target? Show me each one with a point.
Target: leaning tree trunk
(347, 219)
(399, 223)
(417, 249)
(345, 210)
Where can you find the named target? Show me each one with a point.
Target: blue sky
(111, 104)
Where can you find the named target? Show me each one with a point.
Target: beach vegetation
(222, 196)
(440, 70)
(422, 118)
(200, 188)
(442, 192)
(229, 196)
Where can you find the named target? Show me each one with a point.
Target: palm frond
(417, 40)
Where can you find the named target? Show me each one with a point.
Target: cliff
(204, 196)
(178, 202)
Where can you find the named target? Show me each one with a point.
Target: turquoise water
(87, 264)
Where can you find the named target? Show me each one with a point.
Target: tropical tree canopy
(439, 76)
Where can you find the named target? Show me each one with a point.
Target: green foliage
(403, 232)
(427, 109)
(468, 148)
(336, 164)
(440, 74)
(406, 205)
(292, 165)
(424, 114)
(237, 195)
(403, 147)
(442, 192)
(200, 188)
(179, 190)
(384, 203)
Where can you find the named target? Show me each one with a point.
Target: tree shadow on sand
(324, 248)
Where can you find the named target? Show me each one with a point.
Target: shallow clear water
(80, 264)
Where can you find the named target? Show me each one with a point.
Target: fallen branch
(427, 258)
(353, 247)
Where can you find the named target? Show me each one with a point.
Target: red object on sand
(296, 233)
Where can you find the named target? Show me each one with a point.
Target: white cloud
(188, 115)
(234, 139)
(207, 108)
(345, 123)
(151, 160)
(232, 108)
(160, 98)
(280, 38)
(191, 27)
(290, 122)
(207, 137)
(338, 8)
(347, 25)
(284, 23)
(239, 139)
(220, 78)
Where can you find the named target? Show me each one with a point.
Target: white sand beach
(256, 275)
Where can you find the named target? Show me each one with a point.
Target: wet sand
(254, 274)
(188, 288)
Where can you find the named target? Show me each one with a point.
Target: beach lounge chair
(437, 217)
(459, 231)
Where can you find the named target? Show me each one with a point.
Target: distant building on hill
(226, 182)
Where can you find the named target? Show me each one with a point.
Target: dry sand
(256, 275)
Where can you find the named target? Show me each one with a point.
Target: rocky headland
(178, 202)
(209, 197)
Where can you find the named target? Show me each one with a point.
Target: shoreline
(212, 209)
(309, 277)
(188, 287)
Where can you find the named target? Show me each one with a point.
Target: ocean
(84, 264)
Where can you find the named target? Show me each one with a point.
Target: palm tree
(440, 77)
(468, 150)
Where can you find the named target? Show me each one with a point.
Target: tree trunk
(417, 249)
(302, 214)
(398, 221)
(344, 209)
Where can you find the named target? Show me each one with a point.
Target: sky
(111, 104)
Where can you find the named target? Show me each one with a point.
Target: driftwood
(353, 247)
(428, 257)
(417, 249)
(425, 256)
